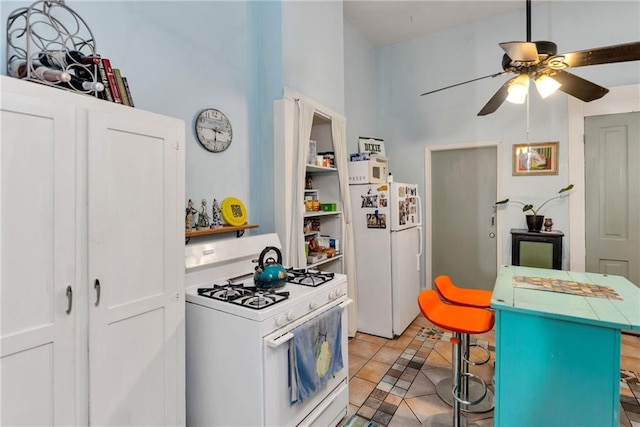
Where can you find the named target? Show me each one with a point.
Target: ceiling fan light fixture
(518, 89)
(546, 85)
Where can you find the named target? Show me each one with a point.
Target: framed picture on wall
(535, 159)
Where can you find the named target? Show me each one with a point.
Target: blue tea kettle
(270, 273)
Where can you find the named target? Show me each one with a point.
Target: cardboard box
(315, 257)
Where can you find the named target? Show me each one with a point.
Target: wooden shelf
(224, 229)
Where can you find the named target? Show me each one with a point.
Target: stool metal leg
(471, 389)
(464, 386)
(455, 420)
(455, 368)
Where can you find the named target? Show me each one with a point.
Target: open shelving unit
(325, 185)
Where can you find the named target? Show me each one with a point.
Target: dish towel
(315, 353)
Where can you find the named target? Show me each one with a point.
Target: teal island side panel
(552, 372)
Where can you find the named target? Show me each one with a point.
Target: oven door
(327, 406)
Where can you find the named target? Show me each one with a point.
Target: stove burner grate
(308, 277)
(227, 291)
(246, 296)
(261, 299)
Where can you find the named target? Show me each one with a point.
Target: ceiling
(384, 22)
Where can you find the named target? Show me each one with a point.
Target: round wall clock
(213, 130)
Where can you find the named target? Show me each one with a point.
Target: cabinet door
(136, 269)
(38, 155)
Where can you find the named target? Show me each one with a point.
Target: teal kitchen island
(558, 354)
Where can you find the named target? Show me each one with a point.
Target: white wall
(409, 122)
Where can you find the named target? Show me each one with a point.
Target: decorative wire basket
(49, 43)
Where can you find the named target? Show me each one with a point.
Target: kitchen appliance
(238, 338)
(269, 273)
(387, 230)
(372, 171)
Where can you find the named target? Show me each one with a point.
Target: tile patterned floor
(391, 382)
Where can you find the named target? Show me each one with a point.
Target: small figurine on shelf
(188, 221)
(203, 216)
(216, 214)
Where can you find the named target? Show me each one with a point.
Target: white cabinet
(38, 253)
(92, 292)
(325, 186)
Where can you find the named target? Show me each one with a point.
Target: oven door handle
(281, 339)
(277, 342)
(345, 303)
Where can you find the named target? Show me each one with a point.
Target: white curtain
(301, 147)
(338, 132)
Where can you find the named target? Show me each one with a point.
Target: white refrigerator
(387, 230)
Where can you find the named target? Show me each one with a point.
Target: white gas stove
(238, 338)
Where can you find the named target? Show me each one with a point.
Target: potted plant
(534, 220)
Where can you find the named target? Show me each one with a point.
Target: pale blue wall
(360, 87)
(270, 77)
(183, 56)
(408, 122)
(313, 50)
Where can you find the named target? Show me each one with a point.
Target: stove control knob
(339, 293)
(291, 315)
(281, 320)
(333, 294)
(313, 305)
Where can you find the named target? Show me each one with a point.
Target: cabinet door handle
(69, 299)
(96, 286)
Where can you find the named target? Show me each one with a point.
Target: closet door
(38, 260)
(136, 269)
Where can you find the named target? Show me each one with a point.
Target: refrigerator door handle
(419, 254)
(419, 211)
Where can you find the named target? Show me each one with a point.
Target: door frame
(621, 99)
(428, 194)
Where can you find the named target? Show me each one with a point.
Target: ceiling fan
(540, 62)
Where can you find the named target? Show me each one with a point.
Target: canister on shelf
(308, 203)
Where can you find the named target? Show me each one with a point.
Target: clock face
(213, 130)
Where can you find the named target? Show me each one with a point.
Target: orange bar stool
(477, 298)
(459, 320)
(462, 296)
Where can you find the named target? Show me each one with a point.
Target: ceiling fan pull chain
(527, 119)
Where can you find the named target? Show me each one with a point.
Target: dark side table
(536, 249)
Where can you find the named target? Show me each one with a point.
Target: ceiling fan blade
(602, 55)
(463, 83)
(497, 99)
(521, 51)
(579, 87)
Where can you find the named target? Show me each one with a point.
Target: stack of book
(116, 86)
